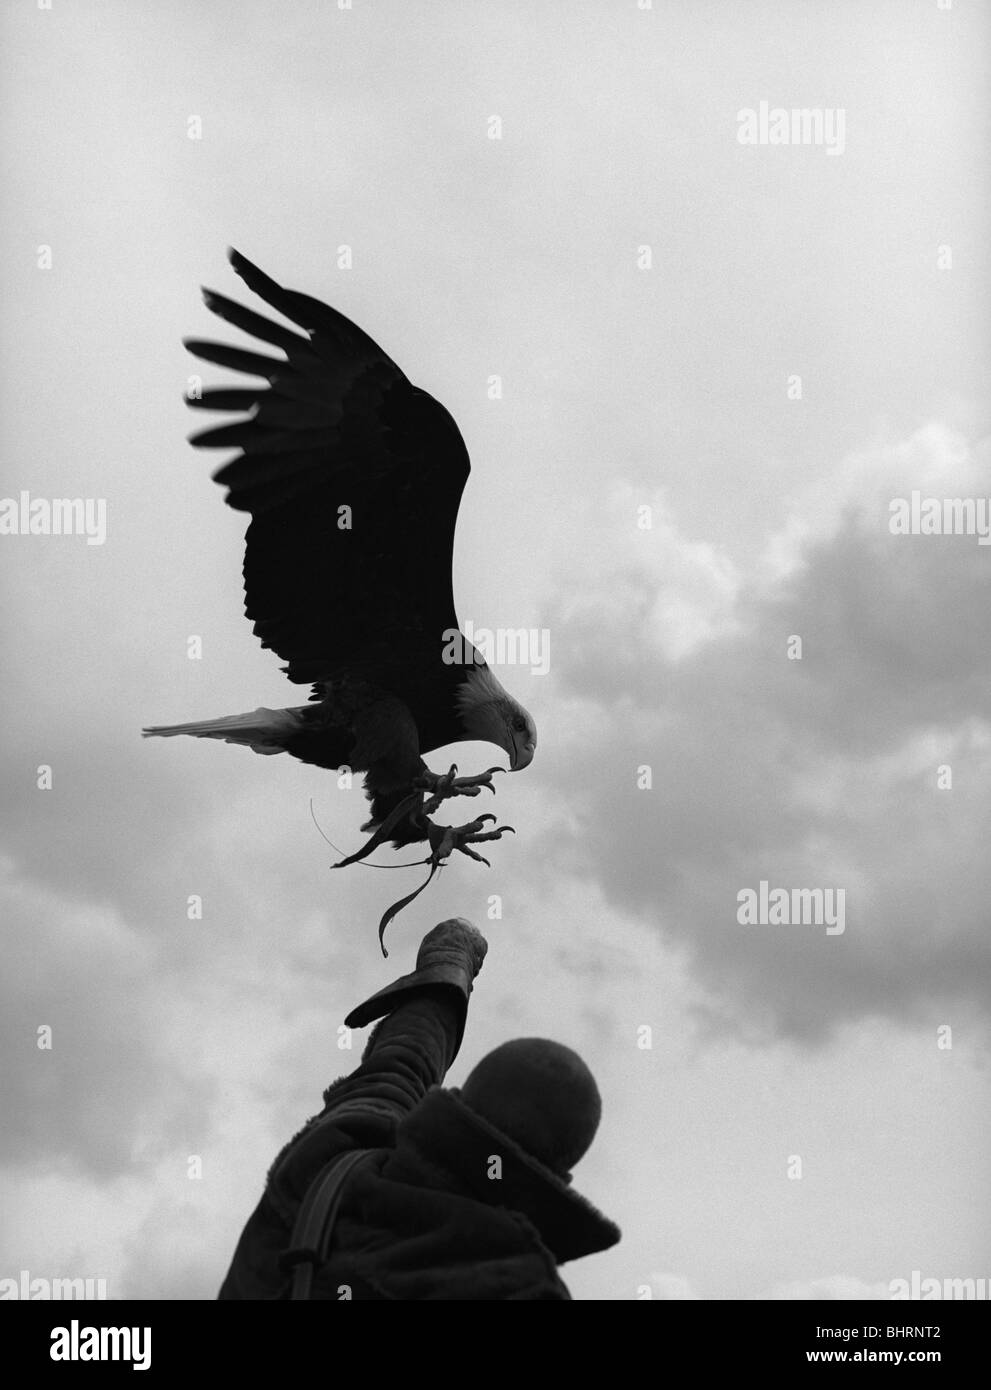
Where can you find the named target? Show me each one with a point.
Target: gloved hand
(450, 956)
(455, 943)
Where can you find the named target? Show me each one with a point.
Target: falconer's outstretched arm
(423, 1019)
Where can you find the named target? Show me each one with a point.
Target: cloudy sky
(653, 295)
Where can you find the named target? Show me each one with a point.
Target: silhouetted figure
(399, 1189)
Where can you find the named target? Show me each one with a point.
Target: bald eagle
(352, 477)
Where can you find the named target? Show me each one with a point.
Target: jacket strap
(314, 1224)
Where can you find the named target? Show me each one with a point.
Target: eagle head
(489, 713)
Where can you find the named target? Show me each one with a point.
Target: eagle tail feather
(263, 730)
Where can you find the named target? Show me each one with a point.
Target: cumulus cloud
(818, 772)
(91, 1075)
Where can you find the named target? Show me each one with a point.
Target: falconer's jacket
(445, 1207)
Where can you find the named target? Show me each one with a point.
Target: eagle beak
(522, 756)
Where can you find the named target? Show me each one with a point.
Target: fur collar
(447, 1135)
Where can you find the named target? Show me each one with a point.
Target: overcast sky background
(623, 388)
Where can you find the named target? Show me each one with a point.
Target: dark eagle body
(352, 477)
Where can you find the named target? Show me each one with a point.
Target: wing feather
(353, 478)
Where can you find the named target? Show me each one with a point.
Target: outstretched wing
(353, 478)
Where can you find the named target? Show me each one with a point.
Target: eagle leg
(445, 839)
(443, 785)
(383, 832)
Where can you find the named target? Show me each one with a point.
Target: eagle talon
(445, 839)
(444, 785)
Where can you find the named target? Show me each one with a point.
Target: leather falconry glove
(449, 958)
